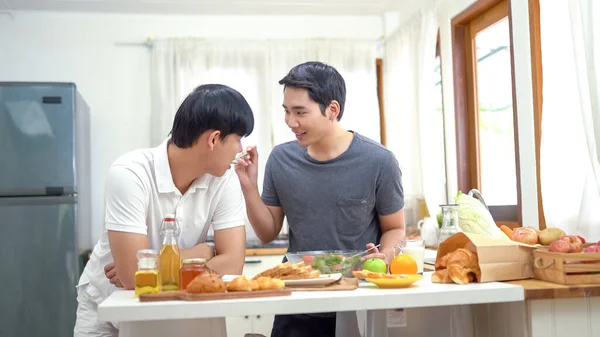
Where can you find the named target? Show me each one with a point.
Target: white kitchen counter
(141, 318)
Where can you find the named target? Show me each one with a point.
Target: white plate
(319, 281)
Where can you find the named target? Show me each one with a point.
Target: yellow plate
(403, 282)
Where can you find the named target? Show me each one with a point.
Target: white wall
(446, 10)
(114, 80)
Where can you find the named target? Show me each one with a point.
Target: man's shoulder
(285, 148)
(286, 151)
(374, 149)
(134, 158)
(139, 161)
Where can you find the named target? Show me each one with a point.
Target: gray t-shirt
(333, 204)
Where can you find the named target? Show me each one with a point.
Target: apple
(560, 246)
(581, 238)
(375, 265)
(574, 241)
(591, 249)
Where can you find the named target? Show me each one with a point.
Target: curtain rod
(149, 43)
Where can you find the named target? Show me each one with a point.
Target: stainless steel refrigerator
(44, 206)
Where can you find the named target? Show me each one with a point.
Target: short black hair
(324, 84)
(211, 107)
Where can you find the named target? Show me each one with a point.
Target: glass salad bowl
(329, 261)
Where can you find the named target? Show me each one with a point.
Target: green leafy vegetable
(474, 218)
(334, 263)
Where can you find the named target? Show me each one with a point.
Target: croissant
(267, 283)
(441, 276)
(241, 283)
(460, 266)
(442, 262)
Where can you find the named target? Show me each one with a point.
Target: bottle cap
(170, 225)
(146, 259)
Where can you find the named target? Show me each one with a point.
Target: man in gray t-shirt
(338, 189)
(333, 204)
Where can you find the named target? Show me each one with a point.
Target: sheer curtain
(180, 65)
(570, 171)
(413, 128)
(254, 67)
(354, 60)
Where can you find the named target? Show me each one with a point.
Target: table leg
(376, 323)
(181, 328)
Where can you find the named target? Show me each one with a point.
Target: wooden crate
(566, 268)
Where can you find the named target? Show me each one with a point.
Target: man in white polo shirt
(187, 175)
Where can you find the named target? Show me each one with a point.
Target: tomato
(308, 259)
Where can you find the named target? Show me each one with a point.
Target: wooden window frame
(475, 18)
(537, 79)
(379, 71)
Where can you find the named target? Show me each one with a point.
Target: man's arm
(230, 245)
(390, 210)
(124, 247)
(202, 250)
(265, 220)
(392, 232)
(125, 221)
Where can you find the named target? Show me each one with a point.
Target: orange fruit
(403, 264)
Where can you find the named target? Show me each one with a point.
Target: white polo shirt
(140, 192)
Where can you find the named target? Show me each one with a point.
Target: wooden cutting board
(185, 296)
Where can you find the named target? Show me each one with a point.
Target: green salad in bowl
(329, 262)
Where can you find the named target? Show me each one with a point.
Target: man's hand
(111, 273)
(374, 253)
(247, 169)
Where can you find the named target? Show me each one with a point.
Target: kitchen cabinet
(259, 324)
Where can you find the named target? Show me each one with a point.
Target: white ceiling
(224, 7)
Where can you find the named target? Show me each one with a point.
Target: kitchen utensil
(365, 251)
(238, 156)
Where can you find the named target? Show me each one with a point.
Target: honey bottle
(170, 258)
(146, 277)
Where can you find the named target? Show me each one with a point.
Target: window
(485, 115)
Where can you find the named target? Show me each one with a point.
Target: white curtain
(570, 171)
(254, 67)
(414, 130)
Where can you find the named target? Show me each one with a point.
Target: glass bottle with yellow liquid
(146, 277)
(170, 258)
